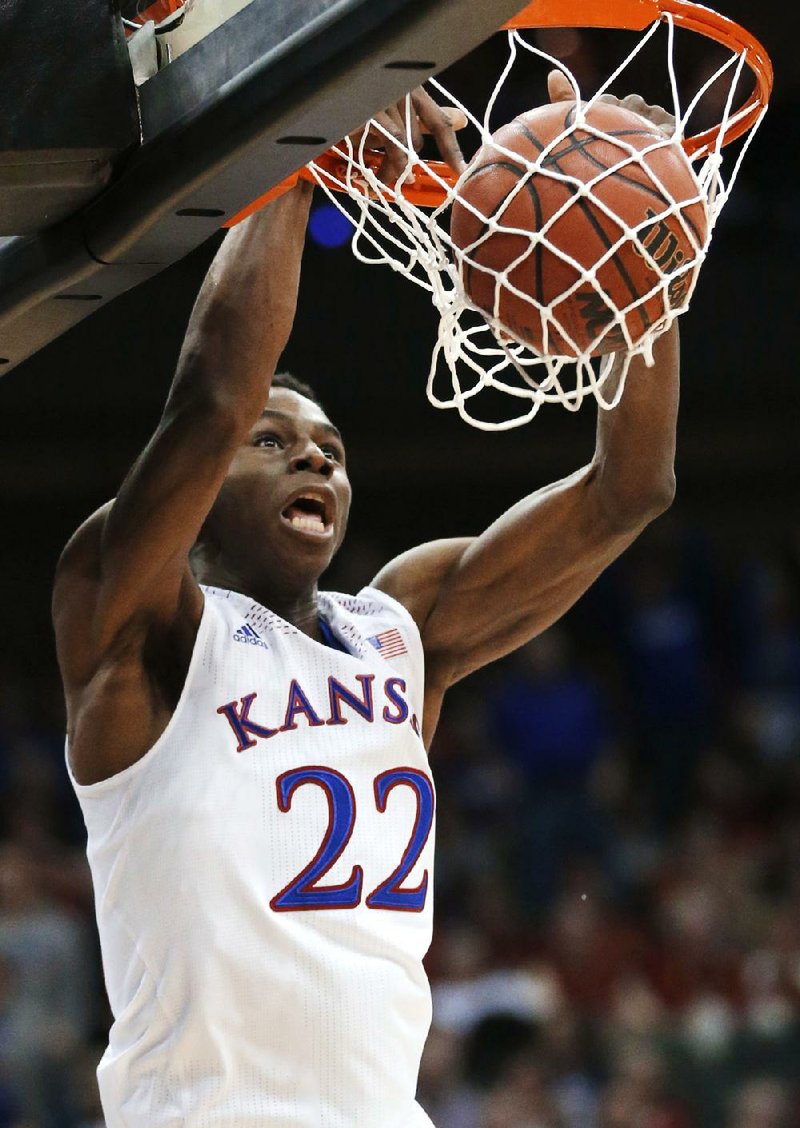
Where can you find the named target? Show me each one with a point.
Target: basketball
(632, 278)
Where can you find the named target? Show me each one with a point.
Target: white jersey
(263, 881)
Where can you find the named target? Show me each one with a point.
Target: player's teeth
(311, 523)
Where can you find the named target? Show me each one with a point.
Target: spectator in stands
(46, 949)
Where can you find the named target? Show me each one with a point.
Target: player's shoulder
(77, 580)
(415, 577)
(82, 552)
(88, 640)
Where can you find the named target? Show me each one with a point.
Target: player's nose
(309, 457)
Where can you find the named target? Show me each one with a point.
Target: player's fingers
(411, 124)
(663, 119)
(636, 103)
(457, 118)
(381, 130)
(440, 124)
(386, 133)
(395, 148)
(656, 114)
(368, 137)
(559, 87)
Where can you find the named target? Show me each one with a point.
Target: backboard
(243, 106)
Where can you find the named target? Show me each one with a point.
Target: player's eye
(332, 452)
(267, 439)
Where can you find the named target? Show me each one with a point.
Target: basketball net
(474, 351)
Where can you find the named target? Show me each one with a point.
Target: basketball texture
(637, 193)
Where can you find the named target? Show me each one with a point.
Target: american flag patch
(389, 643)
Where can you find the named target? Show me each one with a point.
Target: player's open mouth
(308, 514)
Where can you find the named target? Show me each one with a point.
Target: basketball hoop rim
(636, 15)
(433, 178)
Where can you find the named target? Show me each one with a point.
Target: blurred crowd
(617, 940)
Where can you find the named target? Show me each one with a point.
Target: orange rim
(633, 15)
(636, 15)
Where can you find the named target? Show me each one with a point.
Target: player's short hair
(290, 381)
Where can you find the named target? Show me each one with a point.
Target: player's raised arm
(127, 567)
(476, 600)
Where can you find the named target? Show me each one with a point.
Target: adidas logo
(245, 633)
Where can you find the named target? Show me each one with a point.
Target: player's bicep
(511, 621)
(160, 508)
(127, 566)
(520, 576)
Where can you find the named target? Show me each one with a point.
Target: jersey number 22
(305, 891)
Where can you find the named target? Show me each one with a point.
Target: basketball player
(250, 752)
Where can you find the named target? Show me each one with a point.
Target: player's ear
(559, 87)
(202, 551)
(196, 559)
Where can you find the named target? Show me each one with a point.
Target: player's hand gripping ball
(640, 231)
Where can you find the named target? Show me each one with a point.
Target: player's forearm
(244, 312)
(634, 464)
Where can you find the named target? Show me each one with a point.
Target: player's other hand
(560, 89)
(407, 128)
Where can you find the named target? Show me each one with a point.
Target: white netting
(474, 350)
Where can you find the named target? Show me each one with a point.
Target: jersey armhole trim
(409, 622)
(394, 605)
(87, 790)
